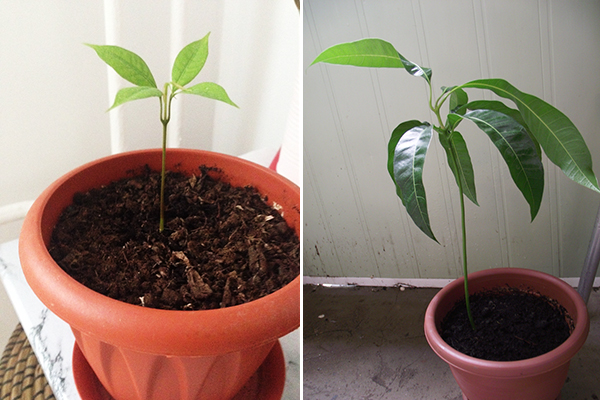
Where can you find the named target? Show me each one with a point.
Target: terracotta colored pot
(539, 378)
(145, 354)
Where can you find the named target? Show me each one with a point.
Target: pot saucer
(267, 383)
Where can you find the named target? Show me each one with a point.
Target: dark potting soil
(221, 245)
(511, 325)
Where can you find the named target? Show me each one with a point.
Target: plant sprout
(519, 134)
(188, 64)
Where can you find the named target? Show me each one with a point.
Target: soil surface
(221, 245)
(511, 325)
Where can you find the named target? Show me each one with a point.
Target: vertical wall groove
(178, 27)
(112, 29)
(548, 89)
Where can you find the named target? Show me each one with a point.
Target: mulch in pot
(511, 324)
(222, 245)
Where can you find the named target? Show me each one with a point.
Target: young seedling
(519, 134)
(188, 64)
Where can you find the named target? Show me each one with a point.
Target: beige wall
(354, 226)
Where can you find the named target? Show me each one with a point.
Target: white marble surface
(52, 339)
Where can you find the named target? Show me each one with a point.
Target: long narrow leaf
(371, 52)
(558, 136)
(210, 90)
(363, 53)
(504, 109)
(459, 162)
(396, 135)
(190, 61)
(518, 150)
(409, 158)
(134, 93)
(127, 64)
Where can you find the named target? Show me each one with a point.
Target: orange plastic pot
(140, 353)
(539, 378)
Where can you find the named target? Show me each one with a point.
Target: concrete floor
(368, 343)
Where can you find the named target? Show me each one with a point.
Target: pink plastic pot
(139, 353)
(539, 378)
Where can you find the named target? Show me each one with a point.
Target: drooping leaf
(459, 162)
(363, 53)
(396, 135)
(415, 69)
(504, 109)
(517, 149)
(409, 159)
(127, 64)
(558, 136)
(190, 61)
(210, 90)
(496, 106)
(134, 93)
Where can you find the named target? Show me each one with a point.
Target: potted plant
(520, 134)
(139, 352)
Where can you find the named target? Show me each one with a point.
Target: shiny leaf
(504, 109)
(396, 135)
(409, 158)
(517, 149)
(558, 136)
(459, 162)
(415, 69)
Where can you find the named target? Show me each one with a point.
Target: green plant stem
(463, 223)
(464, 249)
(165, 117)
(161, 224)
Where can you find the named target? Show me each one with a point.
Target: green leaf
(371, 52)
(190, 61)
(396, 135)
(409, 158)
(518, 150)
(504, 109)
(415, 69)
(458, 98)
(363, 53)
(459, 162)
(134, 93)
(210, 90)
(454, 119)
(558, 136)
(127, 64)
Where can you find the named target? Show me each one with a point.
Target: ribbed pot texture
(149, 354)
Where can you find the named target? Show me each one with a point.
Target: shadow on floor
(368, 343)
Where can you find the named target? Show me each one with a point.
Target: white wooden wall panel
(51, 95)
(353, 224)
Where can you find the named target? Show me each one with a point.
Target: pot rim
(527, 367)
(266, 318)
